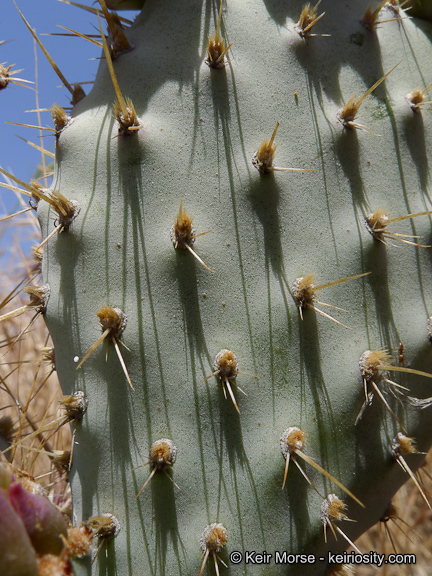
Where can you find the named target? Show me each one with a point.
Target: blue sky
(74, 56)
(78, 61)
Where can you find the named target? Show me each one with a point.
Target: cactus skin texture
(201, 128)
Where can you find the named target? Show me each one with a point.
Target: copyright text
(284, 557)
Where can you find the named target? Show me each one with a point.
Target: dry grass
(409, 533)
(29, 387)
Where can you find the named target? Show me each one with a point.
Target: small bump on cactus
(332, 510)
(304, 293)
(60, 118)
(66, 210)
(39, 296)
(213, 539)
(292, 444)
(225, 366)
(416, 99)
(264, 157)
(374, 367)
(105, 527)
(402, 445)
(113, 322)
(183, 235)
(377, 222)
(162, 455)
(216, 49)
(370, 17)
(124, 110)
(117, 42)
(348, 113)
(308, 19)
(7, 77)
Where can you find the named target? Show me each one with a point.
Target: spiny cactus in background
(163, 127)
(418, 8)
(29, 525)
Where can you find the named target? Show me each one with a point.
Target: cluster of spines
(292, 445)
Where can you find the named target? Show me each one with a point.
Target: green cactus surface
(198, 130)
